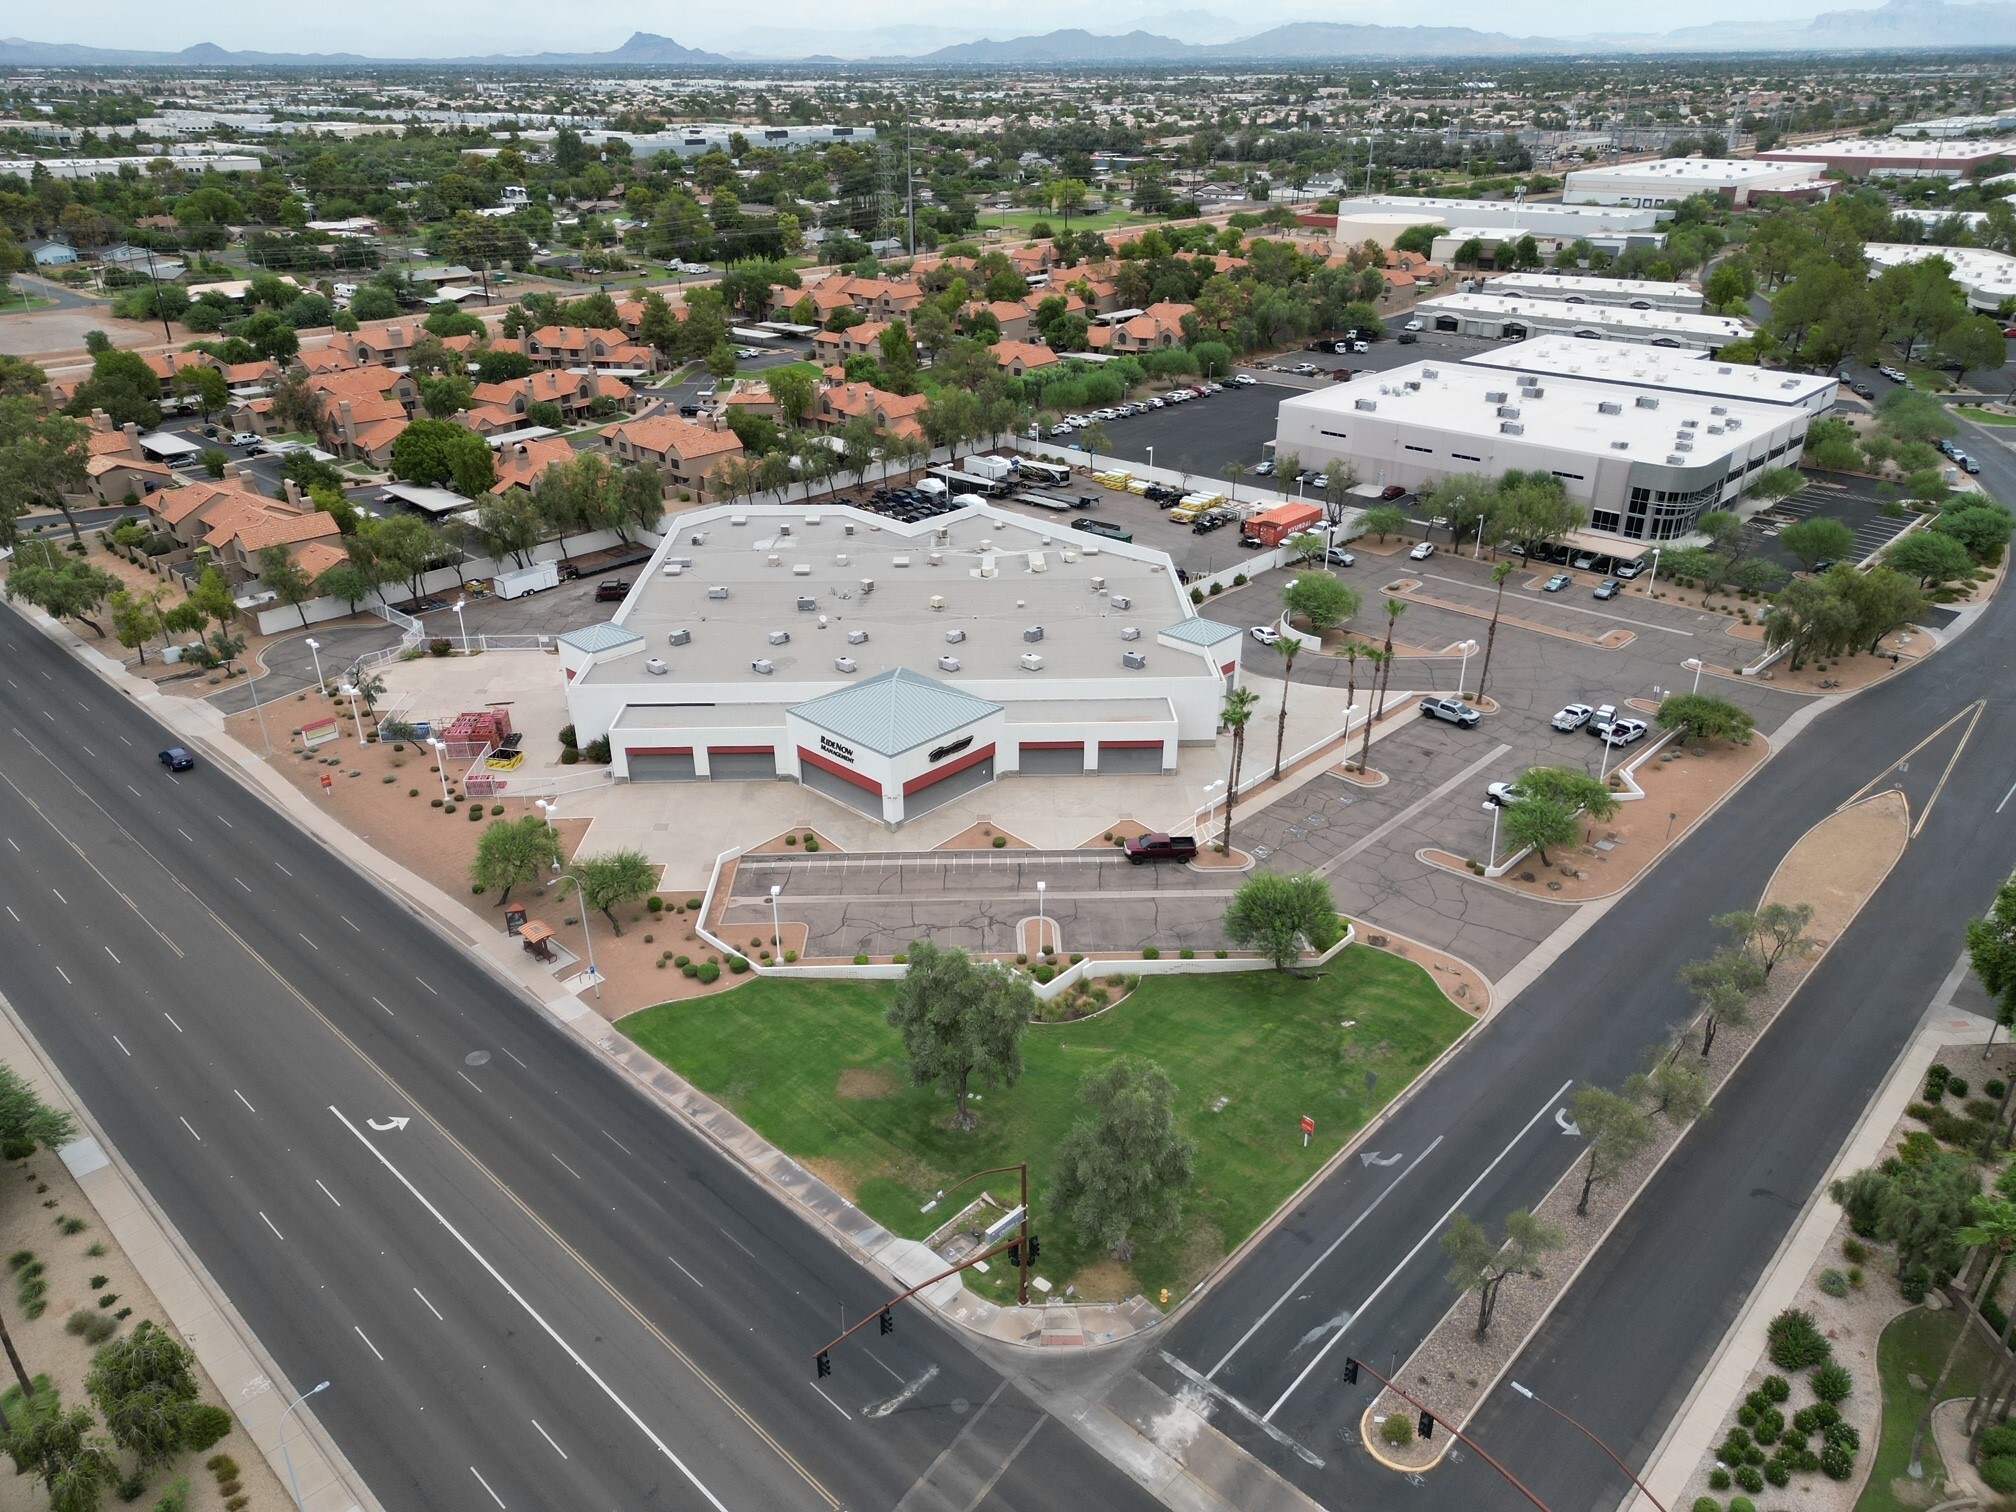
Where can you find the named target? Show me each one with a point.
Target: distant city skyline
(448, 28)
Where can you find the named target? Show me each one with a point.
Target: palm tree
(1352, 651)
(1993, 1233)
(1394, 609)
(1498, 575)
(1238, 710)
(1290, 648)
(1379, 660)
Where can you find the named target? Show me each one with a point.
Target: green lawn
(776, 1052)
(1106, 220)
(17, 302)
(1914, 1343)
(1983, 417)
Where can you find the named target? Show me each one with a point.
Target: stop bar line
(1433, 1229)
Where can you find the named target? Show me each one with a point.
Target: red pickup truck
(1145, 848)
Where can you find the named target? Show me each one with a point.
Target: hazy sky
(389, 28)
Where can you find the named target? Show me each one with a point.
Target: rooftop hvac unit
(1031, 662)
(1365, 404)
(807, 603)
(1121, 601)
(1536, 392)
(680, 637)
(1620, 446)
(1495, 396)
(696, 539)
(936, 559)
(1089, 550)
(1732, 423)
(900, 561)
(801, 569)
(1690, 425)
(1135, 659)
(986, 543)
(1609, 407)
(718, 591)
(1069, 556)
(948, 664)
(846, 527)
(1647, 401)
(1511, 428)
(1527, 380)
(656, 667)
(773, 560)
(1508, 412)
(1431, 373)
(840, 559)
(1718, 409)
(783, 530)
(1033, 634)
(953, 637)
(1676, 461)
(1725, 372)
(1130, 632)
(1789, 383)
(1037, 562)
(780, 637)
(844, 664)
(867, 586)
(1683, 446)
(1714, 430)
(740, 519)
(857, 637)
(988, 569)
(937, 601)
(1412, 385)
(1098, 585)
(812, 519)
(763, 665)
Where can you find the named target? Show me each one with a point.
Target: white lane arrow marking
(1568, 1125)
(388, 1125)
(1374, 1158)
(883, 1409)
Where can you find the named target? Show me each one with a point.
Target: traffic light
(1426, 1427)
(1035, 1248)
(1350, 1371)
(888, 1321)
(825, 1365)
(1015, 1254)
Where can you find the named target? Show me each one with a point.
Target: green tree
(122, 385)
(1773, 931)
(1615, 1132)
(1933, 559)
(1982, 528)
(376, 302)
(960, 1019)
(65, 589)
(401, 546)
(1498, 576)
(1478, 1265)
(1535, 823)
(212, 594)
(1670, 1087)
(1973, 342)
(1276, 914)
(1572, 788)
(145, 1384)
(1724, 985)
(136, 620)
(1385, 521)
(441, 453)
(1698, 716)
(74, 1465)
(1818, 539)
(446, 395)
(286, 580)
(204, 384)
(612, 878)
(510, 852)
(510, 525)
(793, 390)
(26, 1121)
(1814, 617)
(1321, 602)
(1235, 715)
(1121, 1173)
(43, 460)
(1991, 949)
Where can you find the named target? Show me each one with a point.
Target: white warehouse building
(1646, 458)
(1668, 181)
(1382, 217)
(1985, 276)
(1573, 288)
(896, 667)
(1500, 317)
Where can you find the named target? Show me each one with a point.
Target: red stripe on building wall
(741, 750)
(1130, 745)
(1053, 745)
(659, 751)
(1227, 669)
(951, 768)
(826, 764)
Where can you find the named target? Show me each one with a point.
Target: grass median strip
(1912, 1348)
(815, 1068)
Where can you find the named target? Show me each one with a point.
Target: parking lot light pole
(1653, 581)
(463, 626)
(1469, 649)
(315, 650)
(350, 691)
(1693, 664)
(441, 763)
(1603, 774)
(1040, 886)
(1496, 810)
(1151, 457)
(1204, 809)
(776, 926)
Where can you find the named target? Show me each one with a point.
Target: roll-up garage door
(954, 785)
(739, 764)
(1128, 757)
(866, 800)
(1445, 323)
(1064, 760)
(661, 766)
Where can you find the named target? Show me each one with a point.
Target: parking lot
(1852, 501)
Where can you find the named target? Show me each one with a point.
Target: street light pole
(441, 763)
(315, 650)
(463, 626)
(549, 807)
(1694, 664)
(1592, 1439)
(1468, 648)
(349, 691)
(1653, 581)
(293, 1483)
(259, 709)
(776, 928)
(1040, 886)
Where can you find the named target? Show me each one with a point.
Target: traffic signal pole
(1353, 1366)
(822, 1362)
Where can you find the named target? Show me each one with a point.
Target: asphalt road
(1356, 1269)
(542, 1287)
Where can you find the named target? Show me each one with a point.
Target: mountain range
(1897, 25)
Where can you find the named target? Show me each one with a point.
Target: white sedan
(1422, 552)
(1267, 635)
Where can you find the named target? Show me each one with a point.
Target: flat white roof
(1983, 273)
(1041, 575)
(1715, 329)
(1962, 151)
(1603, 290)
(1675, 370)
(1548, 210)
(1457, 399)
(1694, 173)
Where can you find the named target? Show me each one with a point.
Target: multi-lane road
(529, 1286)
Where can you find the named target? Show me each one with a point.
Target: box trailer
(1283, 521)
(994, 469)
(533, 579)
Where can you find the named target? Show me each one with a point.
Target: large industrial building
(1668, 181)
(1574, 288)
(1897, 157)
(1646, 453)
(1501, 317)
(896, 667)
(1381, 217)
(1986, 277)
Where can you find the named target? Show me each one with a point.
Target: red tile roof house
(1158, 326)
(362, 411)
(686, 455)
(521, 464)
(861, 340)
(899, 414)
(389, 344)
(578, 346)
(1018, 357)
(575, 393)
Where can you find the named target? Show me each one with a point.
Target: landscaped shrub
(568, 739)
(1187, 954)
(1955, 1087)
(860, 959)
(1000, 842)
(707, 971)
(2000, 1473)
(1836, 1463)
(738, 964)
(1843, 1436)
(1397, 1430)
(1795, 1343)
(1999, 1441)
(1914, 1282)
(1151, 954)
(1735, 1447)
(1707, 1504)
(1742, 1504)
(1747, 1413)
(1936, 1078)
(1994, 1088)
(1778, 1473)
(1770, 1423)
(655, 904)
(1750, 1478)
(790, 839)
(204, 1425)
(1855, 1250)
(693, 903)
(1718, 1480)
(1044, 973)
(95, 1328)
(811, 844)
(176, 1497)
(1833, 1283)
(1774, 1389)
(1832, 1383)
(688, 969)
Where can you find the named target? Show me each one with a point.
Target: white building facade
(1668, 181)
(1500, 317)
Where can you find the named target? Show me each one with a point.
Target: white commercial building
(696, 140)
(1897, 157)
(1505, 318)
(1671, 180)
(1645, 459)
(896, 667)
(113, 167)
(1957, 126)
(1986, 277)
(1671, 370)
(1382, 217)
(1573, 288)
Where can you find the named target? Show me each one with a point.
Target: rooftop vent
(1031, 662)
(1431, 373)
(846, 527)
(784, 530)
(937, 601)
(812, 519)
(801, 569)
(1037, 563)
(936, 559)
(844, 664)
(1069, 556)
(840, 559)
(763, 665)
(780, 637)
(773, 560)
(867, 586)
(740, 519)
(680, 637)
(1134, 659)
(1412, 385)
(899, 561)
(1609, 407)
(1368, 405)
(807, 603)
(1033, 634)
(1098, 585)
(656, 667)
(673, 569)
(857, 637)
(953, 637)
(1648, 401)
(948, 664)
(696, 539)
(1130, 632)
(717, 592)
